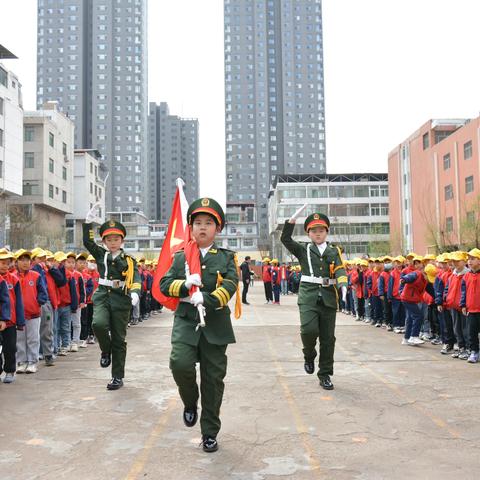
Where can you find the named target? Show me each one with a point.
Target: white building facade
(356, 204)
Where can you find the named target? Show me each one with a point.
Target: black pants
(433, 320)
(86, 318)
(245, 290)
(8, 356)
(268, 291)
(473, 320)
(143, 304)
(361, 307)
(387, 311)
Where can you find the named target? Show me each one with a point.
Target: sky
(390, 66)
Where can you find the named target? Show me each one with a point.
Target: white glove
(192, 280)
(92, 213)
(294, 217)
(135, 299)
(197, 298)
(344, 294)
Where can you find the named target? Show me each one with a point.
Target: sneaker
(396, 330)
(389, 328)
(357, 317)
(10, 377)
(91, 340)
(455, 353)
(31, 368)
(436, 341)
(74, 347)
(465, 355)
(63, 352)
(49, 361)
(405, 341)
(21, 367)
(378, 325)
(83, 344)
(473, 358)
(446, 349)
(415, 341)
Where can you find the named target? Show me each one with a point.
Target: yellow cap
(90, 258)
(71, 254)
(21, 252)
(417, 258)
(49, 254)
(387, 258)
(82, 255)
(429, 256)
(431, 271)
(59, 256)
(266, 259)
(274, 260)
(459, 256)
(38, 252)
(475, 252)
(399, 258)
(6, 254)
(363, 263)
(411, 255)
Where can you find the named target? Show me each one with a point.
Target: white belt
(324, 282)
(111, 283)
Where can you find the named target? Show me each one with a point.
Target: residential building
(355, 203)
(274, 96)
(89, 174)
(173, 153)
(434, 187)
(92, 60)
(38, 216)
(11, 142)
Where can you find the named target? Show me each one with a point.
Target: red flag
(174, 241)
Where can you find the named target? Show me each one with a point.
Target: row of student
(431, 298)
(279, 279)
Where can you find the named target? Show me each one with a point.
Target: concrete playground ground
(397, 412)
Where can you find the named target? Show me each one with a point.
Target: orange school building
(434, 188)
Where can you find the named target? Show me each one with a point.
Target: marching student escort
(323, 275)
(215, 282)
(119, 289)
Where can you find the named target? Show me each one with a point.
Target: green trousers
(318, 322)
(110, 320)
(213, 368)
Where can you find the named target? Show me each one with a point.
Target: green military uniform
(317, 303)
(112, 301)
(206, 345)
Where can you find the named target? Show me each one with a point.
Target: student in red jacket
(394, 293)
(94, 275)
(75, 317)
(452, 303)
(34, 294)
(470, 302)
(414, 284)
(68, 304)
(267, 279)
(11, 297)
(81, 266)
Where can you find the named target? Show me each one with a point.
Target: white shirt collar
(321, 247)
(204, 251)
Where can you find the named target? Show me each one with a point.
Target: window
(1, 105)
(51, 139)
(64, 173)
(232, 242)
(471, 218)
(448, 192)
(51, 165)
(3, 77)
(467, 150)
(469, 184)
(446, 161)
(64, 148)
(449, 224)
(29, 134)
(50, 191)
(28, 160)
(64, 196)
(1, 137)
(426, 141)
(30, 188)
